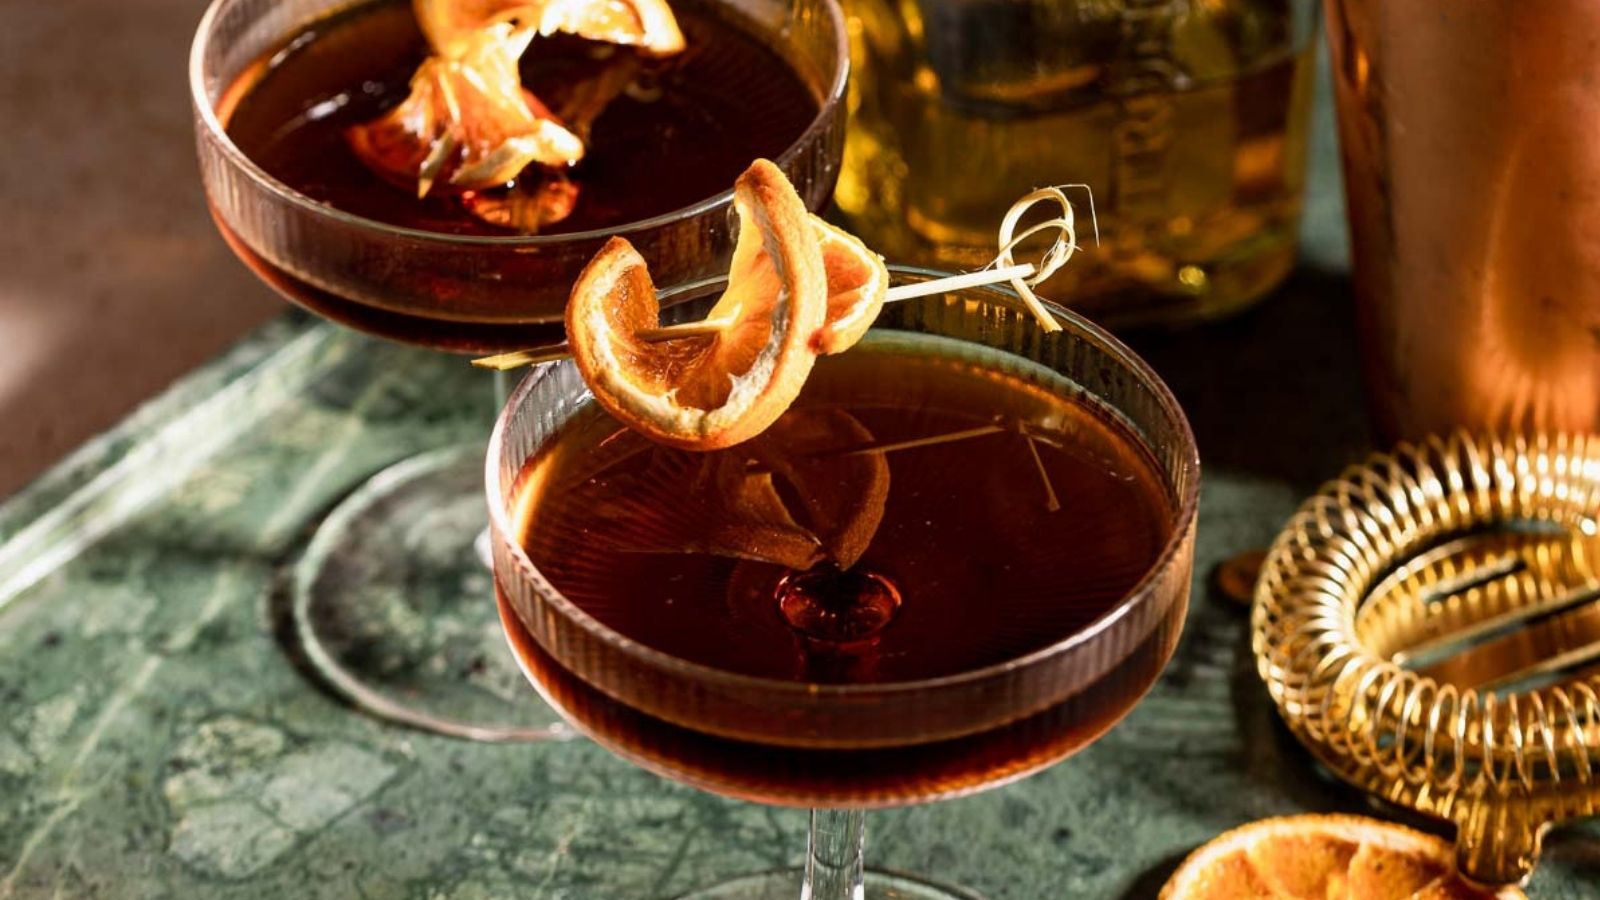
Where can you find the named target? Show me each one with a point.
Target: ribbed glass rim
(207, 115)
(1141, 593)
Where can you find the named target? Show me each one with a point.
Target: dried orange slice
(708, 392)
(646, 24)
(858, 281)
(467, 121)
(1325, 857)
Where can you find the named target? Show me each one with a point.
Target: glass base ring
(784, 884)
(393, 607)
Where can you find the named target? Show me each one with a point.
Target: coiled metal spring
(1428, 625)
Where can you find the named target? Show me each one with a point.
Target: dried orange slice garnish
(858, 281)
(467, 121)
(713, 391)
(1325, 857)
(646, 24)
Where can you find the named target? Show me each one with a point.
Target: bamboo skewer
(894, 294)
(1052, 501)
(914, 443)
(706, 327)
(1022, 276)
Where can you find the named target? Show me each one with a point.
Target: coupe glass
(393, 650)
(843, 748)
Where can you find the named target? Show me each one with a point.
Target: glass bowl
(806, 744)
(473, 294)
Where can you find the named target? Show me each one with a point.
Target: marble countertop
(160, 741)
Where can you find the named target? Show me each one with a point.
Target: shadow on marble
(1148, 885)
(1275, 392)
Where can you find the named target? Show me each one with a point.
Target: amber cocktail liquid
(664, 138)
(1188, 121)
(680, 133)
(979, 517)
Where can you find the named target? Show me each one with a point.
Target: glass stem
(834, 860)
(481, 545)
(502, 390)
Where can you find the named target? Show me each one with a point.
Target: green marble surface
(159, 741)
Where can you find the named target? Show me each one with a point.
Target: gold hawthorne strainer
(1428, 625)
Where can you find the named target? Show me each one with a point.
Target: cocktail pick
(1023, 277)
(1428, 626)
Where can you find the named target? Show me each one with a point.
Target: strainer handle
(1498, 843)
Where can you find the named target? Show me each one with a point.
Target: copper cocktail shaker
(1470, 132)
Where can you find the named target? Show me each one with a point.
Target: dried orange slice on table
(1324, 857)
(713, 391)
(646, 24)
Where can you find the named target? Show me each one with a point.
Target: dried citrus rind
(646, 24)
(1326, 857)
(467, 122)
(858, 282)
(713, 391)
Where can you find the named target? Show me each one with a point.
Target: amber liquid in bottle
(1188, 122)
(968, 565)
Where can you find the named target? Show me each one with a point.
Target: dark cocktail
(678, 132)
(278, 88)
(961, 554)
